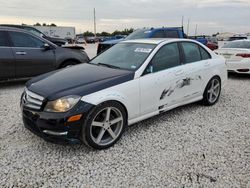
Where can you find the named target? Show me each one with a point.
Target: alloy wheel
(213, 91)
(106, 126)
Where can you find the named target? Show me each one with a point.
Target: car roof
(10, 28)
(157, 40)
(17, 26)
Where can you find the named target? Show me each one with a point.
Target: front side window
(128, 56)
(3, 39)
(204, 54)
(167, 57)
(34, 31)
(191, 52)
(24, 40)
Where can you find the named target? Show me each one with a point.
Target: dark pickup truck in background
(165, 32)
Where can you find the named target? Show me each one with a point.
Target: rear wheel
(104, 125)
(212, 92)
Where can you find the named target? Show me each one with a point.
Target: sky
(210, 16)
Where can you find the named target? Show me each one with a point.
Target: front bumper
(54, 127)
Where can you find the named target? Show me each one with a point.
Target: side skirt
(162, 110)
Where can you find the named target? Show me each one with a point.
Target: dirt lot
(192, 146)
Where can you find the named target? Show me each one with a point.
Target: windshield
(129, 56)
(139, 34)
(237, 44)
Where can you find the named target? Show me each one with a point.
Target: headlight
(63, 104)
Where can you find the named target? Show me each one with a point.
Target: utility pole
(94, 23)
(188, 27)
(196, 27)
(182, 21)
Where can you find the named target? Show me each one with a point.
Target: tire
(213, 88)
(68, 64)
(101, 131)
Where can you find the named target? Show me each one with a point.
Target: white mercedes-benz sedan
(237, 55)
(132, 81)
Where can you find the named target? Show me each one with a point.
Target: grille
(32, 100)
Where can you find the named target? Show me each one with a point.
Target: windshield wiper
(110, 66)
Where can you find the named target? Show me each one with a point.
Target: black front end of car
(52, 105)
(53, 127)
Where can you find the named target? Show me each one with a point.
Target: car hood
(79, 80)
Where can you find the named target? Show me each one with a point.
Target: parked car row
(165, 32)
(95, 101)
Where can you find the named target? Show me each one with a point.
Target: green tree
(53, 25)
(37, 24)
(88, 34)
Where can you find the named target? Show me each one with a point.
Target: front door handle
(179, 72)
(21, 53)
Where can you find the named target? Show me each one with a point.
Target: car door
(7, 61)
(195, 67)
(31, 57)
(161, 84)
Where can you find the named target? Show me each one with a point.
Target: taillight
(243, 55)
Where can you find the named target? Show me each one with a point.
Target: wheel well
(126, 111)
(217, 76)
(69, 60)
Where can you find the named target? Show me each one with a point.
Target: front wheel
(212, 92)
(104, 125)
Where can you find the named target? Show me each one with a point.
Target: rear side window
(24, 40)
(204, 54)
(172, 34)
(191, 52)
(159, 34)
(167, 57)
(3, 39)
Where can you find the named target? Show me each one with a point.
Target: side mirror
(149, 70)
(46, 46)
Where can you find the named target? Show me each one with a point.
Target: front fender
(126, 93)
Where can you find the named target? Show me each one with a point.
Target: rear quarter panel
(63, 55)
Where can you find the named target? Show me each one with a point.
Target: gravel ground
(192, 146)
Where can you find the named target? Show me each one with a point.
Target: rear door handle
(207, 64)
(21, 53)
(179, 72)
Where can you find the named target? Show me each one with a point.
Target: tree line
(104, 33)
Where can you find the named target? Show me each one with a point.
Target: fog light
(75, 118)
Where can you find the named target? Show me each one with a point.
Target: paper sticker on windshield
(147, 31)
(133, 67)
(143, 50)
